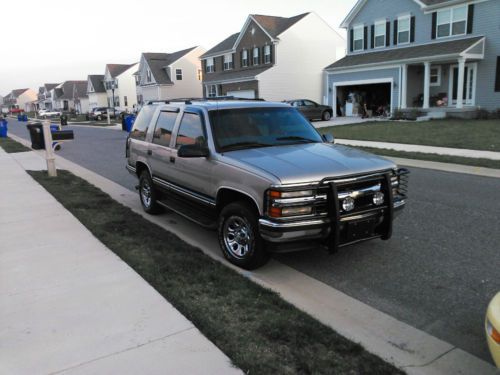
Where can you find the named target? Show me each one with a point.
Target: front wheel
(148, 194)
(239, 236)
(326, 116)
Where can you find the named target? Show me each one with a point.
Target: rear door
(311, 109)
(137, 145)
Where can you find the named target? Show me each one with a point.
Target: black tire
(148, 194)
(255, 254)
(326, 116)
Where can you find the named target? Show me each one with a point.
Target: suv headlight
(286, 204)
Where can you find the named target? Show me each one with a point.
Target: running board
(194, 215)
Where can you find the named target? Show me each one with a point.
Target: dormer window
(210, 65)
(256, 56)
(452, 22)
(148, 76)
(267, 54)
(380, 34)
(244, 58)
(228, 61)
(404, 29)
(358, 38)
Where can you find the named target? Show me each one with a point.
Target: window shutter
(497, 79)
(262, 58)
(234, 60)
(204, 66)
(373, 36)
(395, 41)
(388, 34)
(272, 53)
(412, 29)
(365, 37)
(470, 19)
(220, 91)
(241, 58)
(351, 41)
(434, 25)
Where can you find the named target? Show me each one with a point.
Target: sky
(52, 41)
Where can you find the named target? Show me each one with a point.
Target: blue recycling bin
(19, 118)
(25, 118)
(3, 128)
(129, 123)
(54, 127)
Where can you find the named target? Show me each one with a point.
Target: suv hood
(304, 163)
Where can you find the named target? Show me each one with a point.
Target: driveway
(437, 273)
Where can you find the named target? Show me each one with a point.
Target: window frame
(438, 75)
(401, 18)
(244, 59)
(210, 68)
(375, 35)
(228, 61)
(267, 54)
(178, 128)
(155, 138)
(209, 91)
(355, 28)
(178, 73)
(149, 76)
(452, 21)
(255, 58)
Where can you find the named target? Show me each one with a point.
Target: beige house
(19, 98)
(96, 91)
(120, 86)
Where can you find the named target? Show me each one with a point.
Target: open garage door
(364, 100)
(245, 94)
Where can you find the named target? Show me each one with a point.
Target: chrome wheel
(238, 236)
(146, 193)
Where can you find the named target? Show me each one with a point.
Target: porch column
(427, 85)
(460, 84)
(404, 86)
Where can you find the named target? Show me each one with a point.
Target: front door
(469, 84)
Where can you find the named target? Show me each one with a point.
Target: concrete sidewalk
(477, 154)
(70, 305)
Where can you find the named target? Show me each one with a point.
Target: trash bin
(3, 128)
(36, 134)
(54, 127)
(129, 123)
(124, 123)
(19, 118)
(64, 120)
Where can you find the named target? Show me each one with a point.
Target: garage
(245, 94)
(359, 99)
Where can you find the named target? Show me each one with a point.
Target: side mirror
(193, 151)
(328, 138)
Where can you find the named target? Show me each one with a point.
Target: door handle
(150, 152)
(172, 159)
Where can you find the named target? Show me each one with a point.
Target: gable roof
(427, 51)
(97, 81)
(80, 89)
(50, 86)
(17, 92)
(66, 90)
(226, 45)
(158, 62)
(117, 69)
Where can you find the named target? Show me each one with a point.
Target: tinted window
(164, 126)
(497, 81)
(142, 122)
(190, 131)
(309, 103)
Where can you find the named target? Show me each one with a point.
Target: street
(437, 273)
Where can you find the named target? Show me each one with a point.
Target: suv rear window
(142, 122)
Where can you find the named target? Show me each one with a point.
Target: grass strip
(11, 146)
(486, 163)
(468, 134)
(260, 332)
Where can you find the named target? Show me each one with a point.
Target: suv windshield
(235, 129)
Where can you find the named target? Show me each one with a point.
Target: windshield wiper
(296, 138)
(243, 145)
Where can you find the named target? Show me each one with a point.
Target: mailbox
(62, 135)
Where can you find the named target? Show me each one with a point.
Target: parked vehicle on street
(312, 110)
(262, 176)
(48, 113)
(16, 110)
(101, 113)
(493, 328)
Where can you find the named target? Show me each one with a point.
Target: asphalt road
(437, 273)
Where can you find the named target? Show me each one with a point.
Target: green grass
(470, 134)
(259, 331)
(11, 146)
(486, 163)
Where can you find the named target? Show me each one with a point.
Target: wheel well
(227, 196)
(329, 110)
(140, 167)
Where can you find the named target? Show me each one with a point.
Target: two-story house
(70, 96)
(44, 96)
(163, 76)
(436, 56)
(274, 58)
(96, 91)
(19, 98)
(120, 85)
(80, 97)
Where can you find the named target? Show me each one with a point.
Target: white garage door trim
(245, 94)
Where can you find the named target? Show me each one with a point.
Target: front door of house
(469, 84)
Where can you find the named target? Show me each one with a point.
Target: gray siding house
(437, 56)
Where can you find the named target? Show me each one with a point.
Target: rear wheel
(326, 116)
(239, 236)
(148, 194)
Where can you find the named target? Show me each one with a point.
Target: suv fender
(227, 195)
(141, 166)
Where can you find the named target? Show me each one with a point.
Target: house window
(199, 75)
(256, 56)
(148, 76)
(228, 61)
(117, 101)
(404, 30)
(380, 30)
(178, 74)
(436, 76)
(244, 58)
(211, 91)
(358, 37)
(452, 22)
(210, 65)
(267, 54)
(125, 101)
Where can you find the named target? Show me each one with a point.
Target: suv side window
(142, 122)
(190, 131)
(164, 126)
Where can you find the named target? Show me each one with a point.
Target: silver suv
(262, 176)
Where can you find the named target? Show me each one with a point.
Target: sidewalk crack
(431, 361)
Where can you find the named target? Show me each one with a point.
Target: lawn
(260, 332)
(469, 134)
(12, 146)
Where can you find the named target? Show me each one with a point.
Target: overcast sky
(56, 40)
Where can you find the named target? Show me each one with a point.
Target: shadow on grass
(259, 331)
(12, 146)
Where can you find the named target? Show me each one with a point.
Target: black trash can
(36, 135)
(64, 120)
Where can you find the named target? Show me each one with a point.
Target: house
(19, 98)
(80, 97)
(274, 58)
(438, 57)
(120, 86)
(44, 96)
(163, 76)
(96, 91)
(66, 98)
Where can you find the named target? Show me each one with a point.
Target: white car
(48, 113)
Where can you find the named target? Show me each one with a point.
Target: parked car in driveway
(493, 328)
(312, 110)
(100, 113)
(48, 113)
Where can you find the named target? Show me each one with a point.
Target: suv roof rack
(191, 100)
